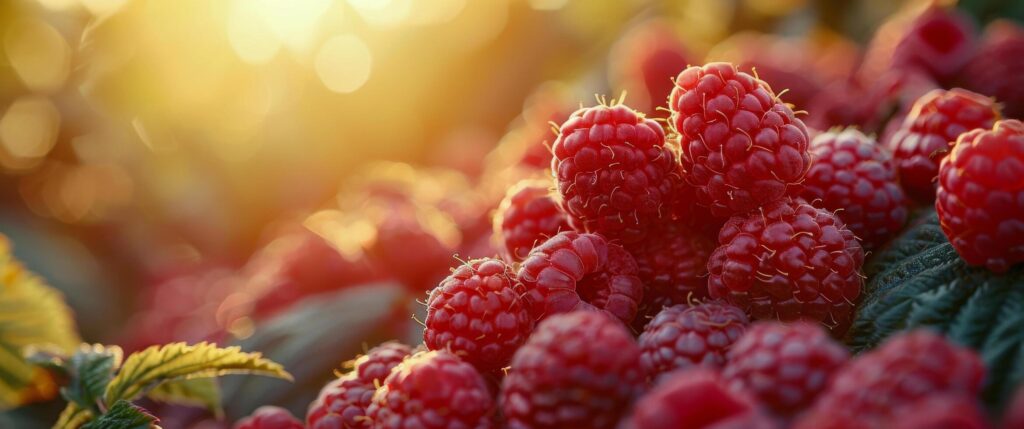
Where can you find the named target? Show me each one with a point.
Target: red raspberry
(527, 216)
(903, 370)
(476, 314)
(578, 370)
(785, 365)
(684, 336)
(788, 261)
(937, 41)
(928, 132)
(1014, 416)
(269, 417)
(574, 271)
(854, 177)
(644, 61)
(673, 268)
(947, 411)
(981, 196)
(342, 403)
(614, 172)
(433, 390)
(994, 69)
(696, 398)
(741, 146)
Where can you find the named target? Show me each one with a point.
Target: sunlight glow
(343, 63)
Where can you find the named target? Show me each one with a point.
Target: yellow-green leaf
(31, 313)
(146, 369)
(72, 417)
(200, 392)
(123, 415)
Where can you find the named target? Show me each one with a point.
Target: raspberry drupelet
(342, 403)
(685, 336)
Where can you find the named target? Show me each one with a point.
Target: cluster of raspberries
(698, 271)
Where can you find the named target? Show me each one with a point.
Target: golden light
(38, 54)
(548, 4)
(250, 35)
(103, 7)
(28, 130)
(344, 63)
(294, 22)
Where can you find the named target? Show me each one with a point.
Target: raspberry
(580, 271)
(1014, 416)
(994, 69)
(785, 365)
(788, 261)
(684, 336)
(269, 417)
(741, 146)
(903, 370)
(342, 403)
(673, 268)
(433, 390)
(614, 172)
(940, 412)
(527, 216)
(981, 196)
(928, 132)
(696, 398)
(644, 61)
(937, 41)
(578, 370)
(476, 314)
(855, 178)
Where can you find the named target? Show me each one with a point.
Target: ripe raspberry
(788, 261)
(854, 177)
(476, 314)
(928, 132)
(994, 69)
(937, 41)
(695, 398)
(741, 146)
(432, 390)
(947, 411)
(614, 172)
(684, 336)
(526, 217)
(1014, 415)
(342, 403)
(785, 366)
(903, 370)
(574, 271)
(981, 196)
(673, 268)
(644, 61)
(269, 417)
(578, 370)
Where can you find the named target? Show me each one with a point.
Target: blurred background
(194, 169)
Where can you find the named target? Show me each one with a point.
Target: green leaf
(31, 313)
(200, 392)
(920, 281)
(148, 368)
(90, 370)
(123, 415)
(312, 345)
(72, 417)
